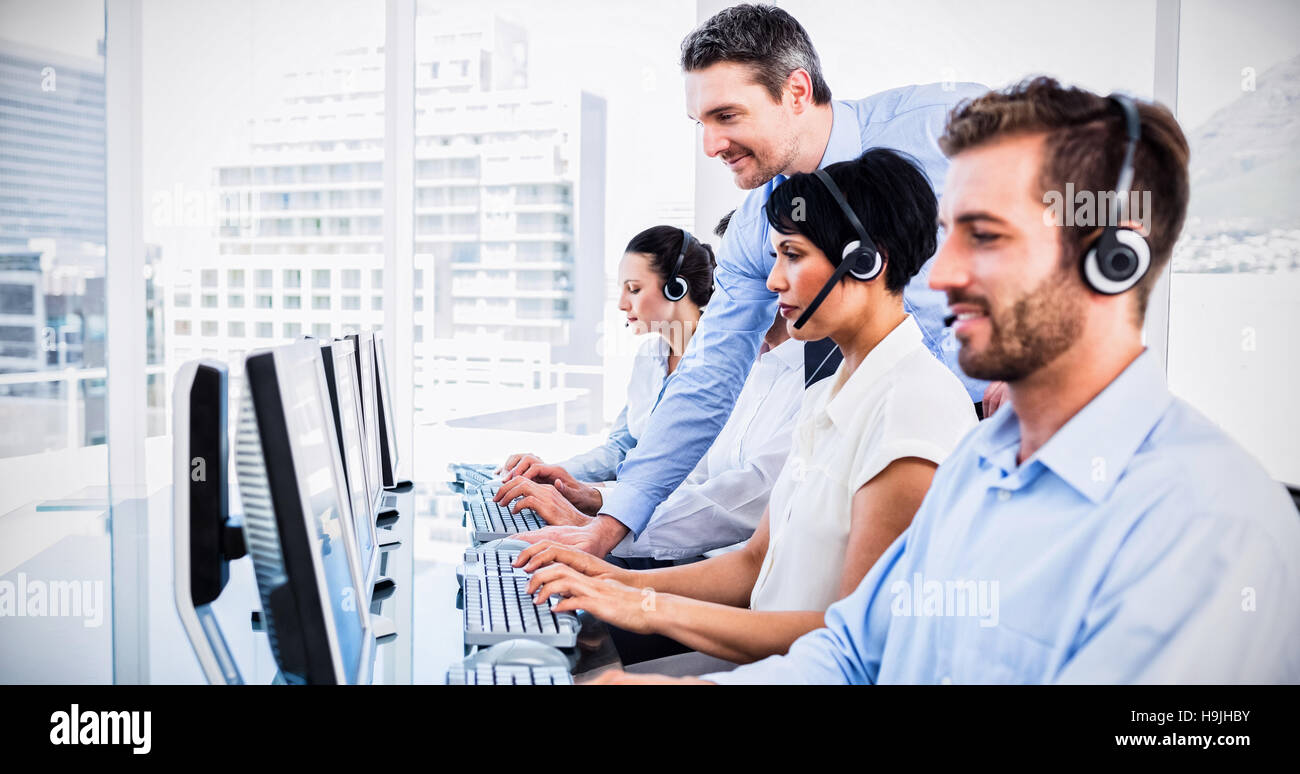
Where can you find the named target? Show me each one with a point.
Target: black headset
(676, 288)
(859, 259)
(1120, 257)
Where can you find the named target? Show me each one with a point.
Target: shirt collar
(898, 343)
(789, 353)
(845, 143)
(1091, 451)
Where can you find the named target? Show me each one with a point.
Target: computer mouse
(522, 653)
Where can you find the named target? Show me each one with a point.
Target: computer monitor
(387, 427)
(292, 485)
(370, 414)
(340, 377)
(205, 540)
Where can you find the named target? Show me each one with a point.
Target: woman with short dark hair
(846, 241)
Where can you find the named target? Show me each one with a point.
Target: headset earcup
(865, 264)
(676, 290)
(1099, 262)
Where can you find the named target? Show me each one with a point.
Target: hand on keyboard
(584, 539)
(532, 468)
(544, 499)
(520, 461)
(585, 498)
(539, 555)
(636, 610)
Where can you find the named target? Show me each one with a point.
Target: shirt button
(1004, 494)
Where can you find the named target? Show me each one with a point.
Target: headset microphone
(859, 258)
(949, 320)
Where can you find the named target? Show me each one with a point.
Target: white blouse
(900, 402)
(722, 501)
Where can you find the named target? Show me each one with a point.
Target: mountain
(1245, 164)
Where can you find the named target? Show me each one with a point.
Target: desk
(139, 638)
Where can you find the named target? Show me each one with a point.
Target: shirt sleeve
(726, 508)
(926, 423)
(848, 650)
(600, 463)
(1211, 602)
(699, 397)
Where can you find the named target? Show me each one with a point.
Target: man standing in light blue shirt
(754, 84)
(1096, 529)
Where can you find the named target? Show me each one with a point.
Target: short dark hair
(888, 192)
(662, 244)
(767, 39)
(1085, 146)
(720, 230)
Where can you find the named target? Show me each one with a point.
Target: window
(320, 330)
(351, 279)
(320, 279)
(292, 330)
(351, 303)
(377, 279)
(293, 302)
(228, 181)
(376, 303)
(320, 302)
(1234, 323)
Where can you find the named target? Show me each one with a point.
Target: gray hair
(764, 37)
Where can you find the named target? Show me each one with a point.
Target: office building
(508, 223)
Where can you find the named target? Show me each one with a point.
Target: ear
(799, 87)
(1135, 225)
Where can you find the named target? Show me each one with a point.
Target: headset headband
(865, 244)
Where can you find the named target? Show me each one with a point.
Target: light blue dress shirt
(1139, 544)
(698, 399)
